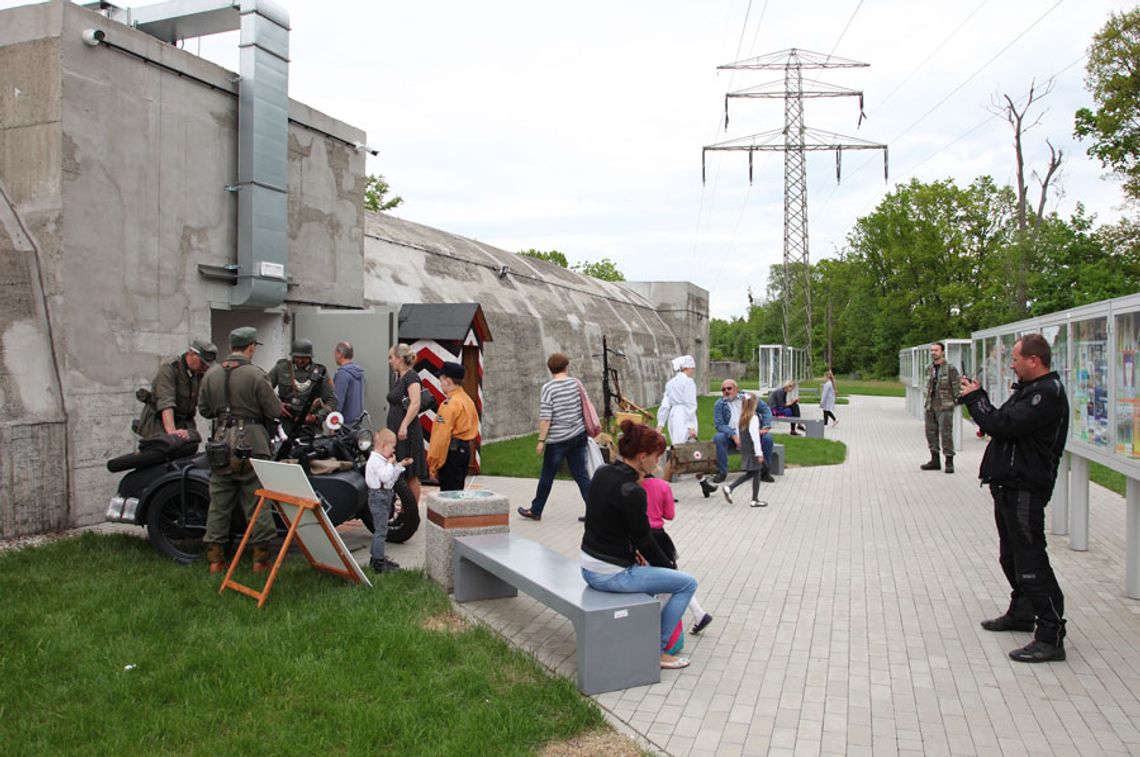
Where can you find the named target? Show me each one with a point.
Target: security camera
(93, 37)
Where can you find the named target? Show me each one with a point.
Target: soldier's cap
(205, 350)
(453, 371)
(302, 348)
(242, 337)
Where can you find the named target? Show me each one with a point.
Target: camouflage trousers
(940, 427)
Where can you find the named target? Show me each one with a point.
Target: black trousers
(1020, 517)
(453, 472)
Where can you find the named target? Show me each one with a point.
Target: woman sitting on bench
(618, 553)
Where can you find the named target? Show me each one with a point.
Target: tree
(1113, 78)
(376, 194)
(550, 256)
(604, 269)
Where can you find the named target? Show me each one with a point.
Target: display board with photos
(1089, 390)
(1127, 402)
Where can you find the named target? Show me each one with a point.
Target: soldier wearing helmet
(293, 378)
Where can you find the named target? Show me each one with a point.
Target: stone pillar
(460, 513)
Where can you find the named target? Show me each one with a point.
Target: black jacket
(616, 520)
(1027, 433)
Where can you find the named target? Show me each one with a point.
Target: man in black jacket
(1027, 437)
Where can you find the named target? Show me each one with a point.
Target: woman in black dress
(403, 414)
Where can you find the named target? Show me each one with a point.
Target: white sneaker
(758, 503)
(726, 490)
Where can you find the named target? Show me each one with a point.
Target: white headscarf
(683, 362)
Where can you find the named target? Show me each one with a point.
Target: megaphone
(334, 421)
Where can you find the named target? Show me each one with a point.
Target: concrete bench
(618, 635)
(813, 427)
(776, 464)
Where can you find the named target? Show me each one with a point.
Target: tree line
(938, 260)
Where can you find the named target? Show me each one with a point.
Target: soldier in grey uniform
(293, 379)
(170, 405)
(942, 388)
(236, 394)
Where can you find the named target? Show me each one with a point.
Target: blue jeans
(380, 505)
(724, 443)
(573, 451)
(649, 580)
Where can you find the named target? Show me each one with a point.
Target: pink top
(659, 498)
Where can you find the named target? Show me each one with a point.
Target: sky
(580, 126)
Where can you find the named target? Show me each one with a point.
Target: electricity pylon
(795, 140)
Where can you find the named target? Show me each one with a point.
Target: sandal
(674, 664)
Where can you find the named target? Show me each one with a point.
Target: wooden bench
(813, 427)
(775, 465)
(618, 635)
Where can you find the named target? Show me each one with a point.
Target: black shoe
(766, 476)
(384, 565)
(1006, 623)
(932, 465)
(793, 432)
(706, 488)
(529, 514)
(949, 465)
(719, 478)
(1038, 651)
(701, 624)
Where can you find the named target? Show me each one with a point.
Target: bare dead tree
(1018, 115)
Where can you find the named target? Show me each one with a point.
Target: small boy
(380, 475)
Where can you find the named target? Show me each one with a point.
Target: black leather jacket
(1028, 433)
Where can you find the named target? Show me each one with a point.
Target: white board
(321, 542)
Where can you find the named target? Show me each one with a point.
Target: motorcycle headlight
(364, 441)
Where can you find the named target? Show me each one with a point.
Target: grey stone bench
(618, 635)
(813, 427)
(775, 465)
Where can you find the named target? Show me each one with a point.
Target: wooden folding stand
(308, 510)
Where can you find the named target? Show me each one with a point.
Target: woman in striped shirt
(561, 433)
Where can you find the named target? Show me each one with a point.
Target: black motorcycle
(167, 488)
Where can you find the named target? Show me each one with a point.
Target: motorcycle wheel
(175, 531)
(403, 526)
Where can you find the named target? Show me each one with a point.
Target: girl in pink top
(660, 508)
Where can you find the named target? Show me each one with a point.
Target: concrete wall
(684, 307)
(118, 168)
(535, 309)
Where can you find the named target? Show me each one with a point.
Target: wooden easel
(304, 505)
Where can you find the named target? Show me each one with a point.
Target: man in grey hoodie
(348, 383)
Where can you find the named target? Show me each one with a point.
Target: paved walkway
(847, 615)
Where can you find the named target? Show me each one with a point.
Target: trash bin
(460, 513)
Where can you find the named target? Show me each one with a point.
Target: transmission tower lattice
(795, 140)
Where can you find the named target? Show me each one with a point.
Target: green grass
(1107, 477)
(516, 457)
(324, 667)
(845, 387)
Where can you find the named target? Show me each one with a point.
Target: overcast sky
(579, 126)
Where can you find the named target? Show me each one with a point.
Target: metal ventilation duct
(263, 129)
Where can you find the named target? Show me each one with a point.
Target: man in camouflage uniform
(242, 414)
(293, 379)
(172, 401)
(942, 387)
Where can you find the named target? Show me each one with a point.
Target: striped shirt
(561, 404)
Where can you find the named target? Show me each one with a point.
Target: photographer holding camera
(237, 395)
(293, 378)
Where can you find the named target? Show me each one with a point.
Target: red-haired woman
(618, 553)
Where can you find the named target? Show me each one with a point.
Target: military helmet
(302, 348)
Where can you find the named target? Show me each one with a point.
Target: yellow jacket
(456, 419)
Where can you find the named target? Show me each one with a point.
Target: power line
(845, 28)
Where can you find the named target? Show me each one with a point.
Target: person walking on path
(726, 418)
(618, 553)
(561, 434)
(942, 389)
(751, 453)
(1027, 437)
(827, 398)
(660, 507)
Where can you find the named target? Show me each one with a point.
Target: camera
(93, 37)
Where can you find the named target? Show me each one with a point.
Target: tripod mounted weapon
(611, 390)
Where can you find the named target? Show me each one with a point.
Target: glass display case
(771, 361)
(1127, 403)
(1089, 389)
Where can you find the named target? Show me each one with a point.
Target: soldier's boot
(934, 464)
(216, 556)
(260, 559)
(949, 464)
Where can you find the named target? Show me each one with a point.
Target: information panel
(1127, 404)
(1090, 382)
